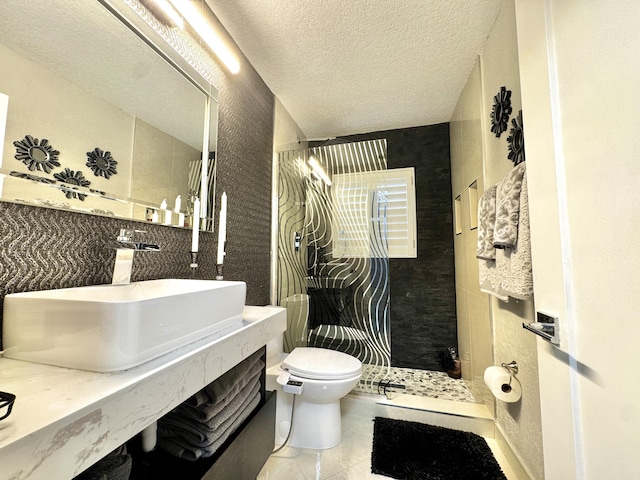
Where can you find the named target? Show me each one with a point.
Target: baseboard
(519, 471)
(465, 416)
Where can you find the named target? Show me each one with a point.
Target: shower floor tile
(425, 383)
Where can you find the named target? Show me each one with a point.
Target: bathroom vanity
(65, 420)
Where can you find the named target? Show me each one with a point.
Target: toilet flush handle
(283, 378)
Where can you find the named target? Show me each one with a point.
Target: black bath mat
(416, 451)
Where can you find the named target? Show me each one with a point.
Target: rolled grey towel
(114, 466)
(91, 475)
(118, 467)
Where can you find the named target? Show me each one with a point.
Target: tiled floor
(351, 460)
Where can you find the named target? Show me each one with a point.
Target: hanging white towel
(505, 233)
(490, 279)
(514, 266)
(486, 224)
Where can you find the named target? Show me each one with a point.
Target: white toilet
(326, 376)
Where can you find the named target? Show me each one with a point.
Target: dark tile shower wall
(423, 303)
(43, 248)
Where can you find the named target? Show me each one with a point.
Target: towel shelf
(545, 327)
(241, 457)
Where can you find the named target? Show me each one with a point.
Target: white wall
(475, 342)
(4, 106)
(490, 330)
(286, 133)
(45, 105)
(520, 423)
(580, 91)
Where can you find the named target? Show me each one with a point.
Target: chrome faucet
(125, 240)
(125, 248)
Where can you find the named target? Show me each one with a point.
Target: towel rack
(546, 327)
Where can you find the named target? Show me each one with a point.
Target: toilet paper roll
(497, 380)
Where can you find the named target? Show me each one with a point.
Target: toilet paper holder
(512, 367)
(505, 386)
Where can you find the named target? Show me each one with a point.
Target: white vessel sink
(107, 328)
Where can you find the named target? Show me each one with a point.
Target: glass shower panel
(333, 273)
(292, 246)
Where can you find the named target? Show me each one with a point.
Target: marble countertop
(65, 420)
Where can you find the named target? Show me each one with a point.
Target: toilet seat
(321, 364)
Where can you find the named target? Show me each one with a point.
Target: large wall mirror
(102, 119)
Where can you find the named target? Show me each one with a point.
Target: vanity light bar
(170, 12)
(318, 170)
(202, 28)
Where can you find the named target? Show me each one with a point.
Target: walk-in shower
(341, 215)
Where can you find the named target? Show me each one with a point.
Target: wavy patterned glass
(333, 246)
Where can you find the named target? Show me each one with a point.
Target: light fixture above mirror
(164, 11)
(174, 12)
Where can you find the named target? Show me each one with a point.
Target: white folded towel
(514, 265)
(505, 233)
(486, 224)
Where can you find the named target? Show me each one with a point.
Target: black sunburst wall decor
(72, 178)
(36, 154)
(101, 163)
(501, 111)
(516, 140)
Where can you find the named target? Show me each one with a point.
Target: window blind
(375, 214)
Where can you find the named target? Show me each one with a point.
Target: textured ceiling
(352, 66)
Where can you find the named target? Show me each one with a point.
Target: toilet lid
(321, 364)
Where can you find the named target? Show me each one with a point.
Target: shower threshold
(408, 381)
